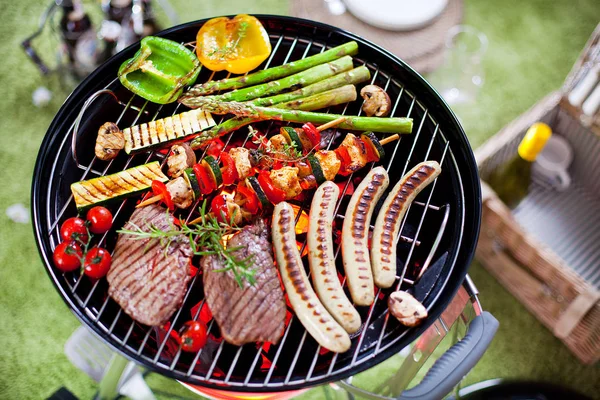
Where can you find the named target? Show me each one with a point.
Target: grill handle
(450, 368)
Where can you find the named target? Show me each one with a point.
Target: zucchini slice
(116, 186)
(190, 177)
(212, 166)
(371, 140)
(292, 138)
(316, 168)
(161, 132)
(252, 183)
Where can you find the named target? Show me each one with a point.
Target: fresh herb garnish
(228, 49)
(208, 237)
(287, 153)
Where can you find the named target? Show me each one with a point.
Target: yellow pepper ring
(237, 45)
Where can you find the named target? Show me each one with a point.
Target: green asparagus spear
(329, 98)
(300, 79)
(350, 48)
(386, 125)
(357, 75)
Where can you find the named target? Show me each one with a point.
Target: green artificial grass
(533, 45)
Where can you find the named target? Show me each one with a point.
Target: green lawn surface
(532, 46)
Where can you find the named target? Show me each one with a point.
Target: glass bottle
(511, 180)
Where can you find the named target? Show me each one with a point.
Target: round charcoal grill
(440, 229)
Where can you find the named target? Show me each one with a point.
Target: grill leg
(109, 385)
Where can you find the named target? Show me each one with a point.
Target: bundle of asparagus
(320, 81)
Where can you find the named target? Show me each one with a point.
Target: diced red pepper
(160, 189)
(215, 148)
(193, 270)
(206, 183)
(274, 194)
(218, 206)
(313, 134)
(252, 204)
(277, 164)
(344, 157)
(228, 171)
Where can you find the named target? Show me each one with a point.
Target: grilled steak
(255, 313)
(147, 280)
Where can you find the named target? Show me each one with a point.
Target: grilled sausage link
(311, 313)
(389, 220)
(322, 260)
(355, 235)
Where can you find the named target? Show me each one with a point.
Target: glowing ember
(302, 224)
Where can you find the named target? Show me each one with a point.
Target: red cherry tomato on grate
(313, 134)
(67, 256)
(74, 229)
(228, 171)
(193, 336)
(215, 148)
(160, 189)
(97, 263)
(100, 219)
(274, 194)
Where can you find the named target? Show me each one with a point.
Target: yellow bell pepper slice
(237, 45)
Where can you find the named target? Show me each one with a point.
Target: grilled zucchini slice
(117, 186)
(161, 132)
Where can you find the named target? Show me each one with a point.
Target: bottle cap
(534, 141)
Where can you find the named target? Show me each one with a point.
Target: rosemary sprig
(228, 49)
(208, 237)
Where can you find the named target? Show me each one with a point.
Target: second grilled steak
(254, 313)
(146, 279)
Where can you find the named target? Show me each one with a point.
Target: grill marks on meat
(145, 279)
(252, 313)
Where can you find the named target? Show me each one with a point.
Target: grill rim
(461, 150)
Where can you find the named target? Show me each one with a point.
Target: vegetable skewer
(281, 71)
(304, 78)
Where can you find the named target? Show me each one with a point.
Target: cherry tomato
(251, 203)
(74, 229)
(100, 219)
(193, 336)
(67, 256)
(313, 134)
(215, 148)
(228, 171)
(218, 206)
(97, 262)
(206, 183)
(160, 189)
(274, 194)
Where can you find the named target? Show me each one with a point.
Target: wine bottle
(511, 181)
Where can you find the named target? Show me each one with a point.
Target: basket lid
(581, 90)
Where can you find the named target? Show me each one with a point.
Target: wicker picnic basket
(546, 252)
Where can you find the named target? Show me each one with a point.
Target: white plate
(398, 15)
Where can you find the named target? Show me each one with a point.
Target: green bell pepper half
(160, 70)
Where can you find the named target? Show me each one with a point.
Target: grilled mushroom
(109, 142)
(377, 101)
(182, 156)
(408, 310)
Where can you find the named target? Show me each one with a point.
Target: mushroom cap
(377, 102)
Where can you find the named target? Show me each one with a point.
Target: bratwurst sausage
(311, 313)
(355, 235)
(389, 220)
(322, 260)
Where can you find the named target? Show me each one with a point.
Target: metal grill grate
(297, 360)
